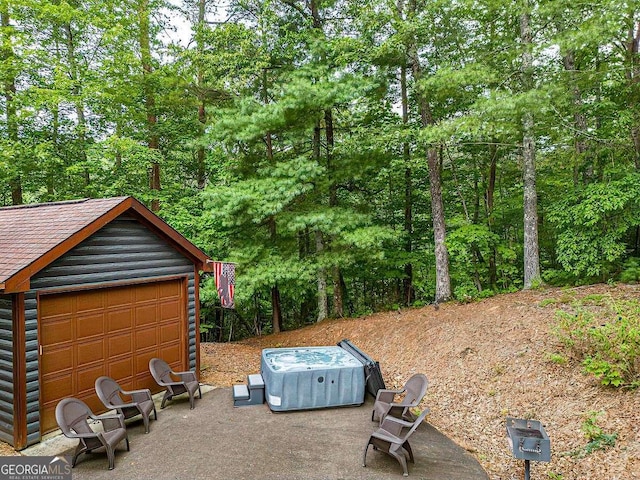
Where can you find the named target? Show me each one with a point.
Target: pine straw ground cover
(484, 360)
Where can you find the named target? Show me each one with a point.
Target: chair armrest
(390, 425)
(398, 410)
(72, 434)
(398, 421)
(186, 376)
(110, 421)
(386, 395)
(139, 395)
(170, 384)
(387, 436)
(123, 405)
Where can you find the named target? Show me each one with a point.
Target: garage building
(88, 288)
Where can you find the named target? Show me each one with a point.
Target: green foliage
(468, 292)
(548, 301)
(470, 247)
(596, 438)
(590, 427)
(630, 270)
(607, 344)
(250, 172)
(558, 277)
(558, 358)
(593, 222)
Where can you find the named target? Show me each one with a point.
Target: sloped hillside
(484, 361)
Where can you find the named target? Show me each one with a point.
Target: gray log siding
(31, 352)
(122, 250)
(6, 369)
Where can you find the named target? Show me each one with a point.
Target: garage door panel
(57, 387)
(142, 359)
(147, 337)
(110, 337)
(59, 306)
(169, 289)
(168, 333)
(147, 292)
(146, 381)
(120, 344)
(58, 359)
(146, 315)
(169, 311)
(89, 351)
(58, 331)
(86, 378)
(119, 297)
(172, 355)
(120, 320)
(90, 325)
(90, 301)
(121, 368)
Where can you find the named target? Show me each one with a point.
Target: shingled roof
(32, 236)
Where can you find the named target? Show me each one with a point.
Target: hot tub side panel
(314, 388)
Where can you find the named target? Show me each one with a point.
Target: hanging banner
(225, 276)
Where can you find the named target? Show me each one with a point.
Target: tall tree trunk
(491, 187)
(407, 282)
(149, 99)
(78, 102)
(443, 280)
(276, 310)
(323, 303)
(9, 91)
(531, 253)
(338, 293)
(202, 114)
(633, 78)
(579, 122)
(408, 292)
(118, 152)
(336, 275)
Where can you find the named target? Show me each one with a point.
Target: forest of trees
(348, 155)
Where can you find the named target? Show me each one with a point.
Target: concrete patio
(218, 441)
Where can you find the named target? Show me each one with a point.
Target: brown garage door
(109, 331)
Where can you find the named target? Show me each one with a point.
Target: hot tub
(311, 377)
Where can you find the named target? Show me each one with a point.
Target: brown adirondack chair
(398, 403)
(72, 415)
(139, 403)
(392, 438)
(175, 383)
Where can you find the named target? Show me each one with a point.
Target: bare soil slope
(484, 361)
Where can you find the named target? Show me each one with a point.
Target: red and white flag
(225, 275)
